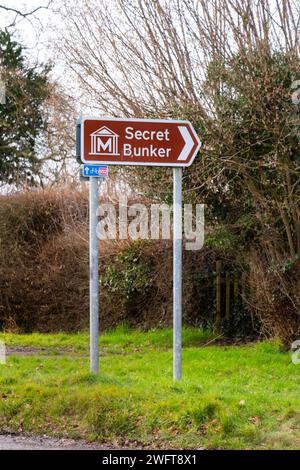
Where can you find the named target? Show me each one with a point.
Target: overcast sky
(33, 32)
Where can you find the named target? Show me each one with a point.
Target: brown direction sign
(147, 142)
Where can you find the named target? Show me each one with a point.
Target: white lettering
(146, 134)
(127, 150)
(151, 151)
(129, 133)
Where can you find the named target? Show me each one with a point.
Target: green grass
(121, 340)
(237, 397)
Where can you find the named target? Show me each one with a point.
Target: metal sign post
(177, 272)
(94, 277)
(145, 142)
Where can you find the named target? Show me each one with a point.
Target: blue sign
(100, 171)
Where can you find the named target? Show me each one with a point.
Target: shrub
(274, 293)
(44, 270)
(129, 277)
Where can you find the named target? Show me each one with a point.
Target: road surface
(15, 442)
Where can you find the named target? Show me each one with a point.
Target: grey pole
(94, 278)
(177, 272)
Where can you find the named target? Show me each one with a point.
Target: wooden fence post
(244, 294)
(218, 292)
(235, 288)
(227, 296)
(235, 292)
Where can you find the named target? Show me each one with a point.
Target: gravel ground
(14, 442)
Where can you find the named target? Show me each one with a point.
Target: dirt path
(31, 351)
(15, 442)
(68, 351)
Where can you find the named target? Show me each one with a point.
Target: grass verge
(233, 397)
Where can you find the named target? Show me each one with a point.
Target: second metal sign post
(177, 272)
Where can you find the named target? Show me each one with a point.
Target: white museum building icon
(104, 141)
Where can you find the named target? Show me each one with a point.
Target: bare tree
(143, 56)
(21, 14)
(227, 65)
(57, 144)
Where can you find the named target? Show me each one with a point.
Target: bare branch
(22, 14)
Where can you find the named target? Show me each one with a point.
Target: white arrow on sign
(188, 143)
